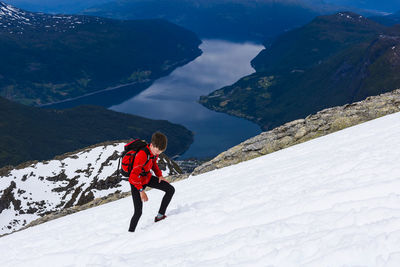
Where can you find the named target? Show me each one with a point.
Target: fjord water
(174, 98)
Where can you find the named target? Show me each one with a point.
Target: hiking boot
(157, 218)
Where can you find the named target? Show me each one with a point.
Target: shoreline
(94, 93)
(111, 88)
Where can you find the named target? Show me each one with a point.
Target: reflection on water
(174, 98)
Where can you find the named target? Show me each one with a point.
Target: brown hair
(159, 140)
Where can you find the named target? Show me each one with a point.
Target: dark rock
(8, 197)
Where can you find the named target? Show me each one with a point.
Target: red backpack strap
(147, 151)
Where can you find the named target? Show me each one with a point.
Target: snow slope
(73, 179)
(333, 201)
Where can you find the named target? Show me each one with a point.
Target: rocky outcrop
(322, 123)
(35, 189)
(52, 215)
(94, 203)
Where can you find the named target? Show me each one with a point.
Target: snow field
(333, 201)
(33, 186)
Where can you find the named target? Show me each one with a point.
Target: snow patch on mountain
(17, 21)
(11, 12)
(75, 179)
(353, 17)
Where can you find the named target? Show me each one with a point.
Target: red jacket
(140, 159)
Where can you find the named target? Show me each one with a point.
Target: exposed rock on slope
(324, 122)
(94, 203)
(35, 189)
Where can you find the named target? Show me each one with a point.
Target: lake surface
(174, 98)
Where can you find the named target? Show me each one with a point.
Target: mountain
(226, 19)
(74, 179)
(332, 61)
(30, 133)
(48, 58)
(55, 7)
(332, 201)
(388, 20)
(383, 5)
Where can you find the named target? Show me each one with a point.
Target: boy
(140, 177)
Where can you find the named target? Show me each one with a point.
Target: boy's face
(155, 150)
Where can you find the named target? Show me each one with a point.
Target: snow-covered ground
(333, 201)
(67, 181)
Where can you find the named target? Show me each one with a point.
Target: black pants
(138, 204)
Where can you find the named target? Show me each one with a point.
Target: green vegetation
(139, 76)
(42, 64)
(30, 133)
(332, 61)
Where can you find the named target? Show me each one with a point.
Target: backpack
(128, 157)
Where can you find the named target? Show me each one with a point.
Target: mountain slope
(332, 61)
(226, 19)
(48, 58)
(385, 5)
(330, 201)
(389, 20)
(58, 7)
(74, 179)
(30, 133)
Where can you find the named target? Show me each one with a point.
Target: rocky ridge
(295, 132)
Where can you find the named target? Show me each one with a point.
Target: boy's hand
(143, 196)
(162, 179)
